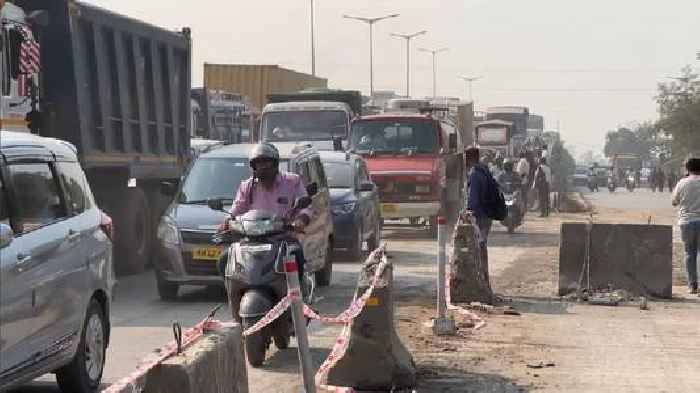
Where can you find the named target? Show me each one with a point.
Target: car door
(46, 252)
(309, 239)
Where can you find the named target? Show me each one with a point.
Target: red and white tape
(271, 315)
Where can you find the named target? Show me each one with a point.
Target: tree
(642, 141)
(679, 109)
(562, 163)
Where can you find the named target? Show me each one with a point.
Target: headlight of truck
(168, 232)
(345, 208)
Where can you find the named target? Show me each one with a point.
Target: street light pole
(408, 38)
(371, 22)
(313, 41)
(468, 81)
(434, 52)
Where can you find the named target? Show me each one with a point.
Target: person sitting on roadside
(686, 196)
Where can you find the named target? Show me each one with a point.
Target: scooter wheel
(255, 344)
(281, 342)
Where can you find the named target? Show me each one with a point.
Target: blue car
(354, 202)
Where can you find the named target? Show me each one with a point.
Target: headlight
(262, 227)
(345, 208)
(168, 232)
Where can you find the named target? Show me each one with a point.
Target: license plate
(390, 208)
(206, 253)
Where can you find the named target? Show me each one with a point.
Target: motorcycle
(611, 184)
(513, 199)
(255, 280)
(592, 184)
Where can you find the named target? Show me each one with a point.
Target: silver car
(56, 274)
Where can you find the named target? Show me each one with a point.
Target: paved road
(641, 199)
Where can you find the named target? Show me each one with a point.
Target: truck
(118, 89)
(319, 116)
(495, 135)
(519, 117)
(221, 115)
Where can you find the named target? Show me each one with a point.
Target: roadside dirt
(554, 345)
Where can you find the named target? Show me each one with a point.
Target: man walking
(686, 196)
(523, 169)
(543, 181)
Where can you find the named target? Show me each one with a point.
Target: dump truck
(116, 88)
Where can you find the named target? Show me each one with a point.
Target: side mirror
(302, 203)
(452, 141)
(6, 235)
(312, 189)
(168, 188)
(366, 187)
(216, 204)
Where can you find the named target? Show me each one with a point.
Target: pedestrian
(671, 180)
(686, 196)
(543, 181)
(480, 184)
(523, 169)
(652, 180)
(660, 179)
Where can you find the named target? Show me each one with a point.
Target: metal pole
(371, 61)
(442, 325)
(305, 362)
(313, 42)
(434, 76)
(408, 68)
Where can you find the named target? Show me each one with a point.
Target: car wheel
(84, 373)
(166, 290)
(324, 276)
(355, 251)
(255, 345)
(373, 242)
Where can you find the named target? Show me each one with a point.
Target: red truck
(416, 161)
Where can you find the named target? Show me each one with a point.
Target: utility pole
(434, 52)
(371, 22)
(468, 82)
(313, 41)
(408, 38)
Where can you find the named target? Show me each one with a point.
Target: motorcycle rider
(271, 191)
(509, 180)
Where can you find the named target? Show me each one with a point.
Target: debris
(643, 303)
(535, 365)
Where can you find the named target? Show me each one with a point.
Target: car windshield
(212, 178)
(304, 125)
(339, 174)
(394, 137)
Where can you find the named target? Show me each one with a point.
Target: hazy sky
(588, 66)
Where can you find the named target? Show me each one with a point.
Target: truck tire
(166, 290)
(84, 373)
(132, 233)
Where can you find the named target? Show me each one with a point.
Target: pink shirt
(278, 200)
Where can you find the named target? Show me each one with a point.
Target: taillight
(106, 225)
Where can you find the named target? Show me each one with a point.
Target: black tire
(376, 239)
(511, 227)
(281, 342)
(77, 376)
(133, 233)
(324, 276)
(255, 344)
(166, 290)
(355, 252)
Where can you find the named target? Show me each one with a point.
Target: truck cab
(316, 122)
(415, 160)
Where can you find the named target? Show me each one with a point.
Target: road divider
(468, 280)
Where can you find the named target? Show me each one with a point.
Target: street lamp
(468, 81)
(408, 38)
(313, 42)
(434, 52)
(371, 22)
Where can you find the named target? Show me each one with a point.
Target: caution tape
(271, 315)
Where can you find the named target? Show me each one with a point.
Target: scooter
(513, 199)
(593, 184)
(253, 269)
(611, 184)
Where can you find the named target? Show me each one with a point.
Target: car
(56, 272)
(354, 203)
(185, 252)
(580, 176)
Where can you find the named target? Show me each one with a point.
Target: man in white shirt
(523, 169)
(686, 196)
(543, 180)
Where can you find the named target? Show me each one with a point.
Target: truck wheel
(166, 290)
(324, 276)
(84, 373)
(255, 345)
(133, 233)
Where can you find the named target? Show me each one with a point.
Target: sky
(586, 66)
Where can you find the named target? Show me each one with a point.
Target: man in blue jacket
(477, 187)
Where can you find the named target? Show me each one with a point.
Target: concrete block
(637, 258)
(469, 279)
(375, 359)
(215, 363)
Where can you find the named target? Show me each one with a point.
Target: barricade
(469, 277)
(369, 355)
(212, 360)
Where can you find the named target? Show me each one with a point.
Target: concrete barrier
(215, 363)
(469, 277)
(375, 359)
(637, 258)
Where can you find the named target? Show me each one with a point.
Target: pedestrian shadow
(445, 380)
(286, 361)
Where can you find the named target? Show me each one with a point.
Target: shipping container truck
(258, 81)
(115, 87)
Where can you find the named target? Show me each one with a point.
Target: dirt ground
(557, 345)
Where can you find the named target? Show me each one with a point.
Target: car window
(318, 174)
(339, 174)
(75, 184)
(214, 178)
(37, 197)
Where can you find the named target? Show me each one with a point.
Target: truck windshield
(394, 137)
(339, 174)
(212, 178)
(304, 125)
